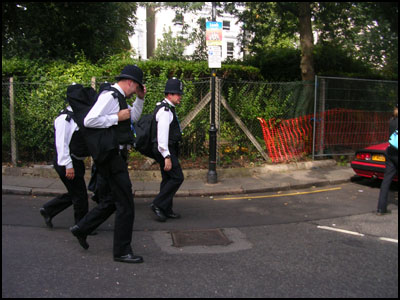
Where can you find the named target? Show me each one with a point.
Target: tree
(184, 37)
(369, 30)
(278, 24)
(170, 47)
(59, 30)
(366, 30)
(306, 41)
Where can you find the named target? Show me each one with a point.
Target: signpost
(214, 44)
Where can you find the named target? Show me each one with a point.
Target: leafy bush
(40, 92)
(283, 64)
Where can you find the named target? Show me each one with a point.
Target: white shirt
(164, 118)
(104, 112)
(63, 132)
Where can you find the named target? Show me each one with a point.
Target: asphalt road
(322, 242)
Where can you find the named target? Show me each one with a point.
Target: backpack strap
(116, 94)
(70, 114)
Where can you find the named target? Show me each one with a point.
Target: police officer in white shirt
(166, 149)
(112, 111)
(68, 163)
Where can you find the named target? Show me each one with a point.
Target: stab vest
(123, 129)
(77, 146)
(175, 134)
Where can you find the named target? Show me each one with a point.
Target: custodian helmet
(174, 86)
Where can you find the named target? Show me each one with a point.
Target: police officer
(68, 163)
(112, 111)
(166, 149)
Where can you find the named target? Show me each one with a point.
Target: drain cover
(208, 237)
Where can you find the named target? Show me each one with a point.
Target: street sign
(213, 33)
(214, 57)
(214, 44)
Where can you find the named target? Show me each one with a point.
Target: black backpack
(77, 144)
(83, 98)
(100, 141)
(143, 135)
(146, 131)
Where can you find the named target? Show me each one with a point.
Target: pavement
(44, 181)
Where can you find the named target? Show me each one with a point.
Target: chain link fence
(256, 121)
(351, 114)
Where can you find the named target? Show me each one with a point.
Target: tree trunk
(306, 41)
(305, 103)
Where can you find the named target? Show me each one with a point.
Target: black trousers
(76, 195)
(115, 196)
(390, 172)
(171, 180)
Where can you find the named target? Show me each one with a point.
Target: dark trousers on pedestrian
(390, 172)
(171, 180)
(76, 195)
(115, 193)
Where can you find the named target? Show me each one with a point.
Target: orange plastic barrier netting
(290, 139)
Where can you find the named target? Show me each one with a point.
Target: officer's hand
(124, 114)
(167, 164)
(141, 92)
(70, 173)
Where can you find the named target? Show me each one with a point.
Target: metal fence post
(322, 118)
(14, 156)
(315, 114)
(212, 171)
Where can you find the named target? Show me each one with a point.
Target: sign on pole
(214, 33)
(214, 44)
(214, 57)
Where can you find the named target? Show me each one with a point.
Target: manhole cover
(208, 237)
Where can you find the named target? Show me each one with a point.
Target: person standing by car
(391, 167)
(166, 149)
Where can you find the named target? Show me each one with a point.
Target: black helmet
(132, 72)
(174, 86)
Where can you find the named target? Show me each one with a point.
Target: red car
(370, 162)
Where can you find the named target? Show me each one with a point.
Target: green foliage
(282, 64)
(170, 47)
(366, 30)
(277, 64)
(40, 93)
(59, 30)
(333, 60)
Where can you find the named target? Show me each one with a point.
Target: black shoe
(173, 215)
(382, 212)
(76, 231)
(129, 258)
(47, 218)
(158, 212)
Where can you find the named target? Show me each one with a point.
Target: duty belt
(125, 147)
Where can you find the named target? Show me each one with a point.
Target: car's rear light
(364, 156)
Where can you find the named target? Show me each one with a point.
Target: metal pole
(212, 166)
(14, 155)
(315, 114)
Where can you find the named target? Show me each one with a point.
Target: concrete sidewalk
(44, 181)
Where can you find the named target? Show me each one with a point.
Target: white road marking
(340, 230)
(389, 240)
(355, 233)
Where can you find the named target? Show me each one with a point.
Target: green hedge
(283, 65)
(40, 93)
